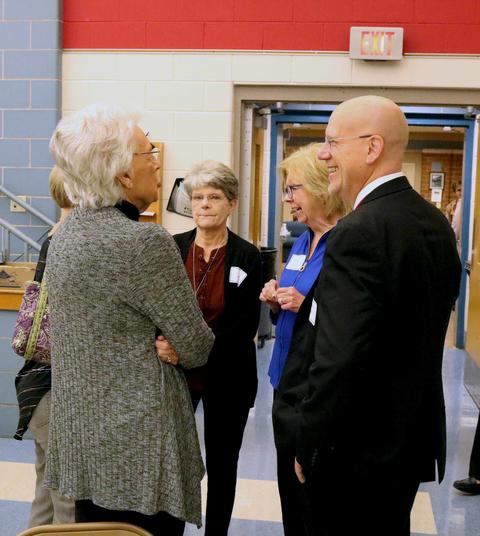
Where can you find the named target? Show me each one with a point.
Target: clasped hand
(165, 351)
(285, 298)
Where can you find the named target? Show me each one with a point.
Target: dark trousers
(224, 424)
(160, 524)
(296, 513)
(474, 469)
(347, 505)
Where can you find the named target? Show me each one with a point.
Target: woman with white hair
(225, 273)
(122, 442)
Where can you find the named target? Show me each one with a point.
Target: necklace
(209, 266)
(307, 257)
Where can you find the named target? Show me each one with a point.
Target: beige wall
(414, 159)
(188, 97)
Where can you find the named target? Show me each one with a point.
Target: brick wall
(448, 163)
(431, 26)
(30, 38)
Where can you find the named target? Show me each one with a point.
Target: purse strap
(42, 260)
(37, 320)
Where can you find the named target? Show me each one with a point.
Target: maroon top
(208, 285)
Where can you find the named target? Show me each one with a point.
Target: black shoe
(468, 485)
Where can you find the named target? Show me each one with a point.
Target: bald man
(369, 402)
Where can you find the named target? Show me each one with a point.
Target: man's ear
(375, 148)
(125, 180)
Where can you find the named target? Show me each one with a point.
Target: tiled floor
(438, 509)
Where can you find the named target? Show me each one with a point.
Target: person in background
(306, 191)
(122, 441)
(33, 385)
(225, 273)
(372, 417)
(471, 484)
(450, 208)
(457, 217)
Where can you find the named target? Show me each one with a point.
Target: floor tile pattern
(438, 510)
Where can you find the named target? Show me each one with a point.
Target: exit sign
(373, 43)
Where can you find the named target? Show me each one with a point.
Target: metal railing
(8, 229)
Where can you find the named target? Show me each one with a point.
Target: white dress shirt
(375, 184)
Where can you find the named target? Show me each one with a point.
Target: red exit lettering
(376, 43)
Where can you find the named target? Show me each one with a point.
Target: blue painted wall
(30, 78)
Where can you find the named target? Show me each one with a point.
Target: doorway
(441, 150)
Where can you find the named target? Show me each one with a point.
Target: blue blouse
(302, 279)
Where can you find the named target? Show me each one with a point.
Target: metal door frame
(416, 115)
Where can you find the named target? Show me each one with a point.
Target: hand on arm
(165, 295)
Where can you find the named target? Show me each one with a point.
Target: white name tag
(237, 275)
(296, 262)
(313, 313)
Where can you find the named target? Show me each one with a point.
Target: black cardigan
(232, 366)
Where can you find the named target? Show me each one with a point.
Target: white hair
(92, 147)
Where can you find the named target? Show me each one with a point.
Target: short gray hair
(214, 174)
(92, 147)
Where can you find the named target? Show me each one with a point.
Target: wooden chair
(87, 529)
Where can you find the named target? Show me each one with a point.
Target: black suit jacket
(232, 366)
(371, 400)
(293, 386)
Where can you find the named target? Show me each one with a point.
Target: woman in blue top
(306, 190)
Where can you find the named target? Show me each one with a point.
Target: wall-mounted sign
(373, 43)
(179, 201)
(436, 195)
(437, 180)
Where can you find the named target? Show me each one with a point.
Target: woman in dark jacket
(225, 274)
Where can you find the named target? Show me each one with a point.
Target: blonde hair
(57, 190)
(313, 174)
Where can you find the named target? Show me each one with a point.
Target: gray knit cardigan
(122, 430)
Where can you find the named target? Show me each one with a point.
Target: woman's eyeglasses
(289, 190)
(210, 198)
(152, 155)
